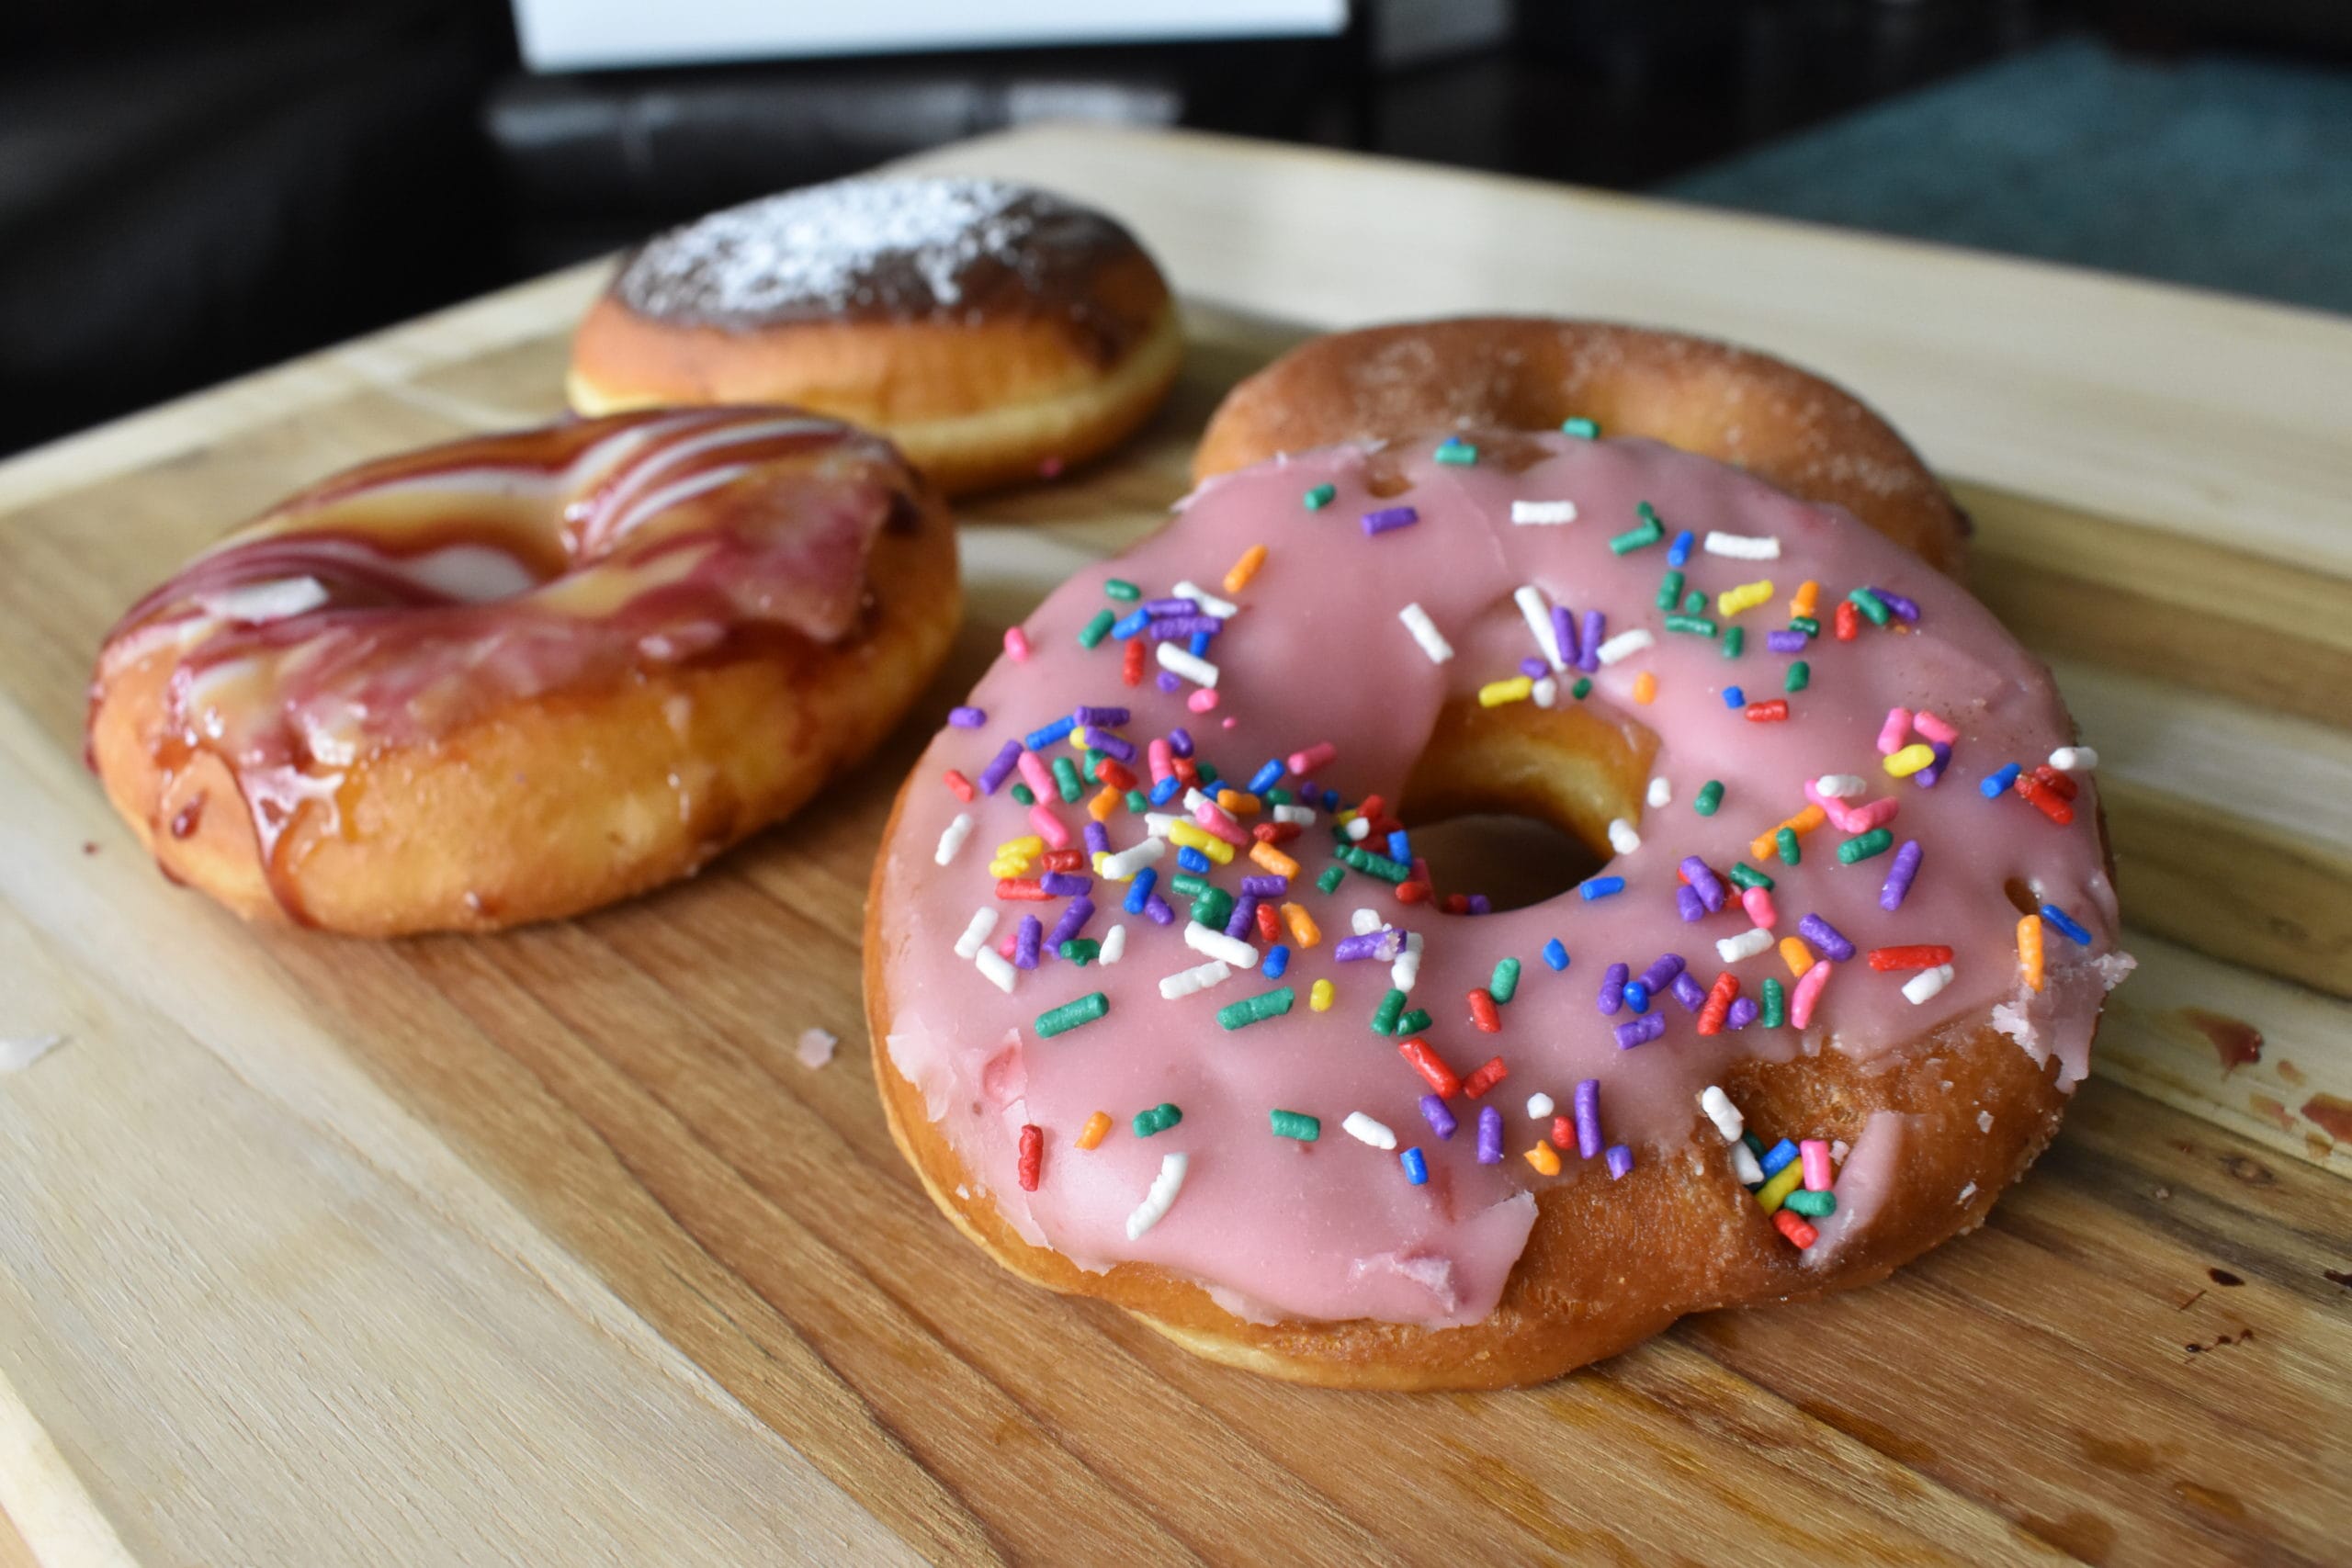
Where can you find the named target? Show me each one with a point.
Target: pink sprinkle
(1758, 902)
(1162, 759)
(1894, 731)
(1209, 814)
(1049, 827)
(1808, 992)
(1815, 1156)
(1203, 699)
(1040, 777)
(1320, 755)
(1230, 722)
(1841, 815)
(1934, 729)
(1016, 643)
(1877, 814)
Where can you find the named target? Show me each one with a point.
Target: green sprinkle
(1371, 865)
(1331, 878)
(1125, 592)
(1582, 689)
(1804, 623)
(1693, 602)
(1583, 429)
(1321, 496)
(1776, 1004)
(1735, 642)
(1095, 761)
(1800, 676)
(1456, 450)
(1669, 591)
(1861, 847)
(1710, 797)
(1091, 634)
(1505, 985)
(1081, 950)
(1296, 1124)
(1066, 778)
(1279, 798)
(1786, 839)
(1191, 884)
(1747, 875)
(1138, 801)
(1208, 774)
(1871, 604)
(1024, 795)
(1649, 532)
(1159, 1119)
(1413, 1023)
(1069, 1015)
(1257, 1008)
(1812, 1205)
(1698, 626)
(1385, 1016)
(1213, 908)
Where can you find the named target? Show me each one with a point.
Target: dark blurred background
(191, 191)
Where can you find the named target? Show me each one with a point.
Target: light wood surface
(543, 1248)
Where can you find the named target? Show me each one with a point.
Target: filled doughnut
(993, 332)
(515, 677)
(1169, 1011)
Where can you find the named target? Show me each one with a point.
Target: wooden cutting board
(544, 1248)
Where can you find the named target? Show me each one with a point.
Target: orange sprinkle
(1245, 569)
(1302, 929)
(1236, 804)
(1807, 600)
(1796, 955)
(2029, 950)
(1096, 1126)
(1542, 1158)
(1804, 822)
(1272, 858)
(1103, 804)
(1645, 688)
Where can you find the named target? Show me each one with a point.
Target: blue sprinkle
(1330, 800)
(1678, 552)
(1733, 697)
(2068, 923)
(1400, 848)
(1167, 790)
(1277, 959)
(1191, 860)
(1637, 996)
(1999, 785)
(1199, 645)
(1778, 1157)
(1038, 740)
(1417, 1169)
(1269, 774)
(1140, 890)
(1555, 955)
(1131, 626)
(1600, 887)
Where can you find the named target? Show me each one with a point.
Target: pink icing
(1332, 1229)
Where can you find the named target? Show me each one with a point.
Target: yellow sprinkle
(2029, 950)
(1910, 759)
(1236, 804)
(1645, 688)
(1746, 596)
(1245, 569)
(1201, 839)
(1302, 929)
(1096, 1125)
(1796, 955)
(1103, 804)
(1807, 600)
(1495, 694)
(1272, 858)
(1011, 865)
(1079, 739)
(1027, 844)
(1100, 856)
(1344, 817)
(1319, 995)
(1542, 1158)
(1782, 1183)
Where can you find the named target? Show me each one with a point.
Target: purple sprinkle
(1790, 641)
(1744, 1011)
(1612, 988)
(1101, 718)
(1688, 992)
(1640, 1030)
(1905, 609)
(1024, 944)
(1245, 915)
(1595, 627)
(1118, 748)
(1588, 1117)
(1564, 632)
(1265, 886)
(1175, 626)
(1826, 937)
(1490, 1135)
(1065, 884)
(1180, 741)
(1621, 1161)
(1660, 975)
(1167, 681)
(1925, 777)
(1703, 877)
(1156, 911)
(1533, 669)
(1688, 902)
(967, 718)
(1478, 904)
(1899, 875)
(1073, 921)
(1098, 838)
(1378, 523)
(1156, 608)
(1440, 1119)
(1385, 944)
(992, 777)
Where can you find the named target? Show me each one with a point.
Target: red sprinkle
(1435, 1073)
(1483, 1011)
(1412, 892)
(1485, 1078)
(1270, 925)
(2055, 781)
(1022, 889)
(1564, 1133)
(1062, 860)
(1187, 770)
(1456, 904)
(1848, 621)
(1791, 1224)
(1115, 775)
(2045, 800)
(1919, 957)
(1131, 665)
(961, 785)
(1768, 713)
(1033, 1154)
(1274, 832)
(1718, 1004)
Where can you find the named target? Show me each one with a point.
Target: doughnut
(993, 332)
(1168, 1010)
(515, 677)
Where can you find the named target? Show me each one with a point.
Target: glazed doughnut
(1240, 1066)
(515, 677)
(995, 333)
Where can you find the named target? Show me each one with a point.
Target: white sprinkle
(1407, 966)
(1121, 865)
(1838, 1149)
(2068, 759)
(1841, 787)
(951, 839)
(1219, 946)
(1661, 793)
(1723, 1113)
(1181, 663)
(816, 1047)
(1926, 984)
(976, 935)
(1157, 823)
(1622, 836)
(1114, 945)
(1538, 615)
(998, 968)
(1984, 1120)
(15, 1055)
(1417, 621)
(1359, 829)
(1364, 1130)
(1525, 511)
(1624, 645)
(1546, 693)
(1363, 923)
(1746, 944)
(1194, 800)
(1301, 814)
(1184, 982)
(1966, 1194)
(1222, 609)
(1164, 1187)
(1745, 1166)
(1743, 546)
(259, 602)
(1540, 1107)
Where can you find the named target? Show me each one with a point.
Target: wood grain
(544, 1248)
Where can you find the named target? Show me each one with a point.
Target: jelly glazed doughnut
(993, 332)
(1807, 437)
(513, 678)
(1196, 1034)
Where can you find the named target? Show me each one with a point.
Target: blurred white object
(583, 34)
